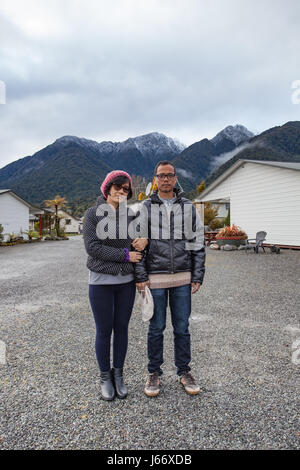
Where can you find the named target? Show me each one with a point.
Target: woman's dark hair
(119, 180)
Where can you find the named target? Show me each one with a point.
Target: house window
(227, 205)
(68, 221)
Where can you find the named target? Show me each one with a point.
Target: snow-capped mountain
(72, 139)
(74, 167)
(150, 145)
(157, 144)
(202, 157)
(237, 134)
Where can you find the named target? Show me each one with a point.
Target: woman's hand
(141, 287)
(135, 256)
(140, 244)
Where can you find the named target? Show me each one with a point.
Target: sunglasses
(118, 187)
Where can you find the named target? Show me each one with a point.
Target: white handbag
(146, 304)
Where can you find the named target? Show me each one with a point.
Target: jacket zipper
(172, 244)
(172, 256)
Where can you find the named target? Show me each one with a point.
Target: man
(173, 267)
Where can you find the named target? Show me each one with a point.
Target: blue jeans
(180, 306)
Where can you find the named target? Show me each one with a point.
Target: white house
(263, 195)
(14, 213)
(70, 223)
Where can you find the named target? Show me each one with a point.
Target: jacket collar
(100, 200)
(177, 193)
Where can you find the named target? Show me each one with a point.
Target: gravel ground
(244, 325)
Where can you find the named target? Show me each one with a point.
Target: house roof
(2, 191)
(238, 163)
(69, 215)
(289, 165)
(32, 209)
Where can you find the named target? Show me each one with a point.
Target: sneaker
(152, 385)
(189, 383)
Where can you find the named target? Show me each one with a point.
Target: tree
(139, 184)
(201, 187)
(210, 213)
(227, 219)
(57, 203)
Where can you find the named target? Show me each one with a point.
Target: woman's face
(118, 192)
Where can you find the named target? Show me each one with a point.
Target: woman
(111, 277)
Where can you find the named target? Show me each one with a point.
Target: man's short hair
(163, 162)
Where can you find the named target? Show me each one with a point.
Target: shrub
(233, 231)
(32, 234)
(227, 219)
(210, 213)
(62, 232)
(217, 223)
(35, 234)
(11, 237)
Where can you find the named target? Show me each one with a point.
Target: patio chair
(258, 240)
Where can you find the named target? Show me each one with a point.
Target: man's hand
(195, 287)
(141, 287)
(140, 244)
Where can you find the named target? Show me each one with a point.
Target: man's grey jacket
(176, 240)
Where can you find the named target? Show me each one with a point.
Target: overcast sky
(113, 69)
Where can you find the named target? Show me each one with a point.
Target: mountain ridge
(279, 143)
(74, 167)
(201, 156)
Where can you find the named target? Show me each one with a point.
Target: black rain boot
(121, 388)
(107, 386)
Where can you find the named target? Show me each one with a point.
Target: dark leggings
(112, 306)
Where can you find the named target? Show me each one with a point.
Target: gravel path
(244, 325)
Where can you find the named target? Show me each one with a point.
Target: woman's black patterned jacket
(107, 255)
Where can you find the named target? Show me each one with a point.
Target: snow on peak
(72, 139)
(67, 139)
(158, 143)
(152, 143)
(236, 134)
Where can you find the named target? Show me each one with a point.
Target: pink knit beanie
(110, 177)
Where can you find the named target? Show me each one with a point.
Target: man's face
(165, 178)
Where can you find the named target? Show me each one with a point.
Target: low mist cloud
(224, 157)
(185, 173)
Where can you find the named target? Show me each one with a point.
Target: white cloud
(185, 173)
(224, 157)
